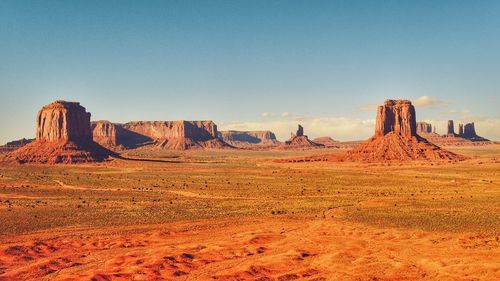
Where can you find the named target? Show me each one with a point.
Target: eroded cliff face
(450, 129)
(241, 138)
(178, 135)
(195, 130)
(424, 128)
(397, 116)
(63, 121)
(63, 135)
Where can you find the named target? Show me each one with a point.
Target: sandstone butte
(63, 135)
(466, 135)
(395, 139)
(171, 135)
(300, 141)
(248, 138)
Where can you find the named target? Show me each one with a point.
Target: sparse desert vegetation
(240, 214)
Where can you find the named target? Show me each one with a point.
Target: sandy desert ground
(240, 215)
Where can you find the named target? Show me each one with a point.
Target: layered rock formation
(115, 137)
(300, 141)
(328, 142)
(178, 135)
(469, 132)
(248, 138)
(63, 135)
(424, 128)
(13, 145)
(396, 138)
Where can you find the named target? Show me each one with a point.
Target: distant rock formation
(115, 137)
(13, 145)
(461, 129)
(469, 132)
(300, 131)
(300, 141)
(396, 138)
(178, 135)
(63, 135)
(451, 129)
(248, 138)
(424, 128)
(328, 142)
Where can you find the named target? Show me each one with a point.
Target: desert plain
(244, 215)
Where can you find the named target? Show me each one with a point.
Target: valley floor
(239, 215)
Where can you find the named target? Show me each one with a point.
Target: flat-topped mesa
(424, 128)
(196, 130)
(242, 138)
(396, 116)
(63, 121)
(178, 135)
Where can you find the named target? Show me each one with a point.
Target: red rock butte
(63, 135)
(396, 138)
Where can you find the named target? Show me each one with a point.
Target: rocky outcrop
(300, 141)
(328, 142)
(300, 131)
(424, 128)
(248, 138)
(396, 116)
(13, 145)
(469, 132)
(460, 129)
(466, 136)
(63, 135)
(178, 135)
(451, 129)
(396, 138)
(63, 121)
(115, 137)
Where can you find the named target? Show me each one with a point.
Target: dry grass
(216, 184)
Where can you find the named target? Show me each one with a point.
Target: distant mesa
(247, 139)
(115, 137)
(13, 145)
(167, 135)
(63, 135)
(178, 135)
(396, 138)
(300, 141)
(328, 142)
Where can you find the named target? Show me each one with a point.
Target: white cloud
(426, 101)
(285, 114)
(265, 114)
(458, 111)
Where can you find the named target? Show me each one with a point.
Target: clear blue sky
(231, 61)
